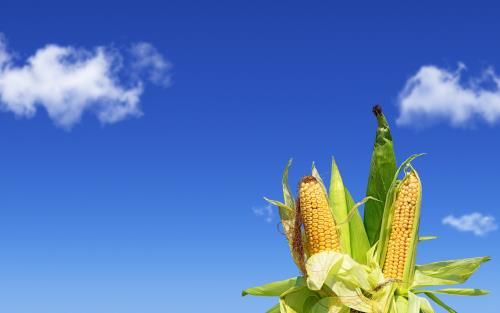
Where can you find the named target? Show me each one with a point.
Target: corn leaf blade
(338, 204)
(440, 303)
(425, 306)
(446, 272)
(456, 291)
(274, 289)
(413, 303)
(425, 238)
(299, 301)
(274, 309)
(359, 243)
(329, 305)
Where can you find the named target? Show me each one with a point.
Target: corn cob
(403, 229)
(319, 225)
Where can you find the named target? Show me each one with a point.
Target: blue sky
(140, 195)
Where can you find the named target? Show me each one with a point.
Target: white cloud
(435, 93)
(476, 223)
(67, 82)
(265, 212)
(151, 62)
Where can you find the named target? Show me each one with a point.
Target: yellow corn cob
(402, 233)
(319, 224)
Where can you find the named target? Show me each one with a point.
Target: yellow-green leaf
(299, 301)
(456, 291)
(274, 309)
(446, 272)
(338, 204)
(274, 289)
(329, 305)
(425, 306)
(440, 303)
(425, 238)
(359, 240)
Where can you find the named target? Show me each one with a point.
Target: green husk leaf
(280, 205)
(274, 289)
(287, 194)
(298, 301)
(382, 170)
(456, 291)
(425, 306)
(413, 303)
(329, 305)
(352, 297)
(384, 299)
(401, 304)
(338, 205)
(287, 213)
(344, 276)
(359, 243)
(440, 303)
(328, 267)
(274, 309)
(315, 174)
(446, 272)
(425, 238)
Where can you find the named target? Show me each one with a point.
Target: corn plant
(353, 264)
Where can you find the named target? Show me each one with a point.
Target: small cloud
(149, 61)
(476, 223)
(435, 93)
(265, 212)
(67, 82)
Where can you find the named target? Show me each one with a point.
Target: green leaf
(440, 303)
(413, 303)
(384, 298)
(329, 305)
(456, 291)
(274, 289)
(315, 174)
(287, 213)
(344, 276)
(425, 306)
(328, 267)
(287, 194)
(382, 170)
(446, 272)
(425, 238)
(280, 205)
(299, 301)
(338, 204)
(401, 304)
(274, 309)
(359, 243)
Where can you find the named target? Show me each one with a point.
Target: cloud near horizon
(476, 223)
(67, 82)
(435, 94)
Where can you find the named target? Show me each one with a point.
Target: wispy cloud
(266, 212)
(67, 82)
(476, 223)
(434, 94)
